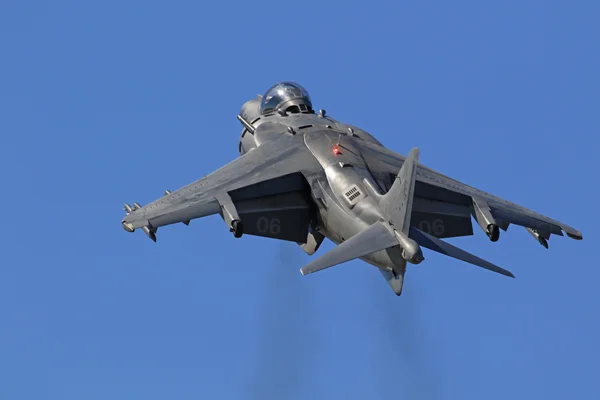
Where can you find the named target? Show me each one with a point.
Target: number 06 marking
(435, 228)
(264, 225)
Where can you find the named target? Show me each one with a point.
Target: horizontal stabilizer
(435, 244)
(375, 238)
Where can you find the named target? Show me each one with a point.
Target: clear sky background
(108, 102)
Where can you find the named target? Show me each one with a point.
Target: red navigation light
(336, 150)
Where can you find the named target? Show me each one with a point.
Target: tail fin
(396, 204)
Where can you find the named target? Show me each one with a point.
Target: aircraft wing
(266, 186)
(443, 195)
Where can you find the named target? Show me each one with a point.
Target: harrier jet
(303, 176)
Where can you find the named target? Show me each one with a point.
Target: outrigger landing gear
(493, 232)
(237, 228)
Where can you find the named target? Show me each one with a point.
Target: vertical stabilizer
(396, 204)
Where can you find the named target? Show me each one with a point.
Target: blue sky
(111, 102)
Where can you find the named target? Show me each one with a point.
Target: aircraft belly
(342, 220)
(338, 223)
(344, 172)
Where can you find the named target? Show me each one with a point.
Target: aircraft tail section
(395, 235)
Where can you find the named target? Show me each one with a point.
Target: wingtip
(128, 226)
(571, 232)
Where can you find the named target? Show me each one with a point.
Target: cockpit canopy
(286, 96)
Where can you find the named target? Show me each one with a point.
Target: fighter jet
(302, 176)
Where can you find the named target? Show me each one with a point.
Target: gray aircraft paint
(302, 176)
